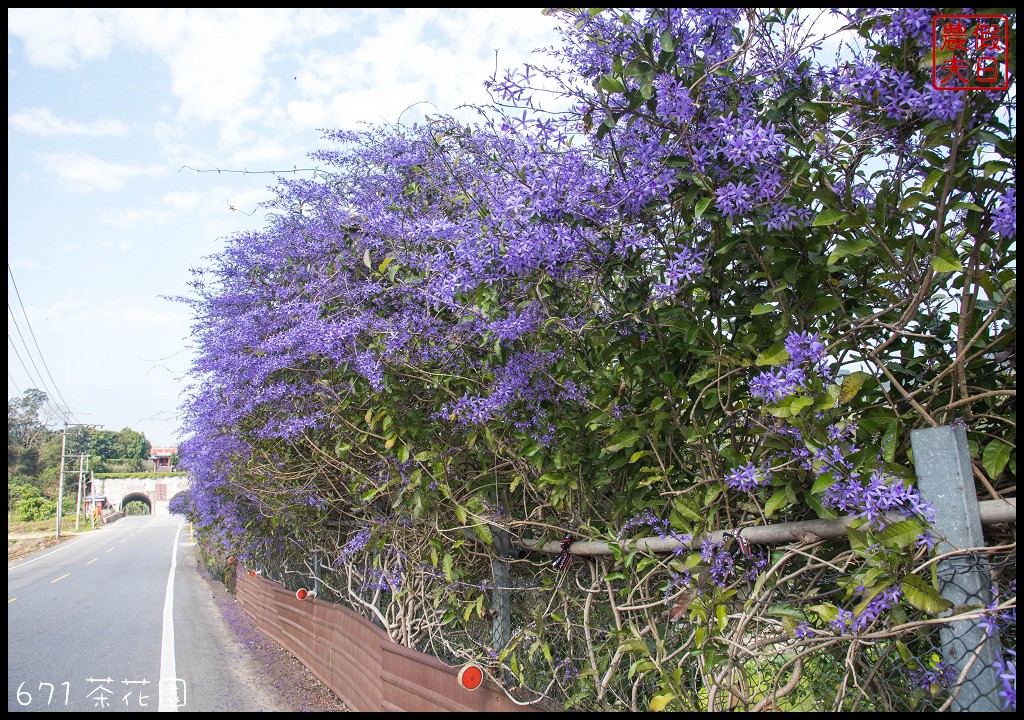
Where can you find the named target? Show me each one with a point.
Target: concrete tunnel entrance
(136, 497)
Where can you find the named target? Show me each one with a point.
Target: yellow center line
(123, 539)
(109, 549)
(60, 578)
(11, 600)
(92, 561)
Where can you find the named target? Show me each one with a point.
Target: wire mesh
(791, 633)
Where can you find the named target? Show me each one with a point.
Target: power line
(53, 408)
(10, 379)
(28, 323)
(39, 375)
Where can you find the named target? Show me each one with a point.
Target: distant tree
(24, 424)
(104, 443)
(20, 488)
(133, 444)
(26, 431)
(136, 507)
(35, 508)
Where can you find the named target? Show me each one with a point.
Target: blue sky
(104, 109)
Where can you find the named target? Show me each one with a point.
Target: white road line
(59, 548)
(168, 672)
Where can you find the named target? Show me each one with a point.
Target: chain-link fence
(788, 628)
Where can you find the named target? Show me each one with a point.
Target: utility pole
(60, 490)
(81, 476)
(60, 487)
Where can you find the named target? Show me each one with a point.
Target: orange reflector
(471, 677)
(301, 594)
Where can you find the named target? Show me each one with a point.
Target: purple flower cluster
(878, 498)
(1004, 217)
(942, 675)
(804, 349)
(686, 265)
(1006, 668)
(449, 281)
(355, 544)
(725, 563)
(846, 621)
(747, 478)
(661, 528)
(521, 380)
(997, 620)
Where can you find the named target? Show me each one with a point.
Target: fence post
(501, 601)
(316, 573)
(943, 465)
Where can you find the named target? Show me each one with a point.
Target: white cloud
(85, 173)
(218, 58)
(40, 121)
(132, 217)
(440, 59)
(62, 37)
(182, 200)
(23, 264)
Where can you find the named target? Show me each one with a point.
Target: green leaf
(820, 510)
(799, 403)
(775, 355)
(824, 482)
(911, 200)
(721, 615)
(702, 205)
(447, 566)
(762, 308)
(996, 166)
(966, 206)
(889, 442)
(686, 511)
(483, 533)
(776, 501)
(901, 534)
(660, 702)
(849, 247)
(923, 596)
(623, 440)
(858, 538)
(827, 612)
(823, 305)
(852, 384)
(995, 457)
(828, 216)
(635, 645)
(611, 84)
(933, 177)
(945, 261)
(668, 44)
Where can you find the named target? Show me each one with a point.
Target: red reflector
(471, 677)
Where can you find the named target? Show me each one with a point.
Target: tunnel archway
(137, 497)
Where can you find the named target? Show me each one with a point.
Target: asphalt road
(101, 623)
